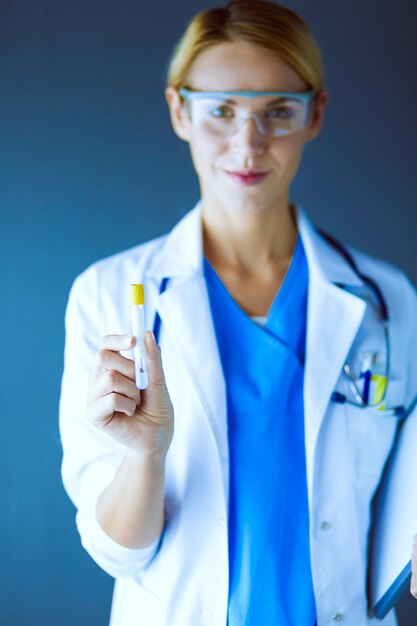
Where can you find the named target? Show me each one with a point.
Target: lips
(248, 172)
(248, 177)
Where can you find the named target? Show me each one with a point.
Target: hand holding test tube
(137, 308)
(143, 421)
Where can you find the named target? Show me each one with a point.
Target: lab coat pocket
(371, 435)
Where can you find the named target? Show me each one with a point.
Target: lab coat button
(325, 526)
(221, 520)
(207, 615)
(337, 617)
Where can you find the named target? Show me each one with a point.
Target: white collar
(182, 252)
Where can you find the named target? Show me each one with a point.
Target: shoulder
(98, 302)
(391, 280)
(127, 266)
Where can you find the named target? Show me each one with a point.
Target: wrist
(138, 461)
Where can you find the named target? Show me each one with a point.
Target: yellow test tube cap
(137, 295)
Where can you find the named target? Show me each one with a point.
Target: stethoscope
(359, 401)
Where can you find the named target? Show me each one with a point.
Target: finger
(113, 343)
(109, 360)
(112, 381)
(413, 582)
(154, 360)
(117, 342)
(99, 413)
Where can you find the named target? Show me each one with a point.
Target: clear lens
(218, 117)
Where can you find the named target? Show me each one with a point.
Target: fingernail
(128, 340)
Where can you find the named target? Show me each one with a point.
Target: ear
(317, 115)
(179, 118)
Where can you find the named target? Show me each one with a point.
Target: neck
(248, 242)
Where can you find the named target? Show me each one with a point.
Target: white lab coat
(186, 583)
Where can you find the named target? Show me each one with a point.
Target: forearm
(131, 509)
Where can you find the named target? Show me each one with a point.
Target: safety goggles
(223, 113)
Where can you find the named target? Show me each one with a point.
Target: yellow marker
(380, 383)
(137, 308)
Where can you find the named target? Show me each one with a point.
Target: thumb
(154, 360)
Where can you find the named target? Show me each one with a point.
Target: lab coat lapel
(333, 319)
(185, 314)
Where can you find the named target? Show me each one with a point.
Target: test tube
(137, 308)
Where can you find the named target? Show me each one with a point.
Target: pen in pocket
(366, 375)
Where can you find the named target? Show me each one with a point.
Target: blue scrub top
(269, 555)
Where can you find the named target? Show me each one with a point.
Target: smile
(251, 177)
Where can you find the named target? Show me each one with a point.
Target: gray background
(89, 166)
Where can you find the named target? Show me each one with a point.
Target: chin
(248, 206)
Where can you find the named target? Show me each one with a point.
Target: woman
(254, 507)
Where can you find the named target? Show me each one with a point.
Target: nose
(248, 138)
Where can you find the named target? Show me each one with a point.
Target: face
(239, 66)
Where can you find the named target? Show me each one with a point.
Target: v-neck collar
(287, 307)
(283, 288)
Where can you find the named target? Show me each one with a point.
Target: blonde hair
(258, 22)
